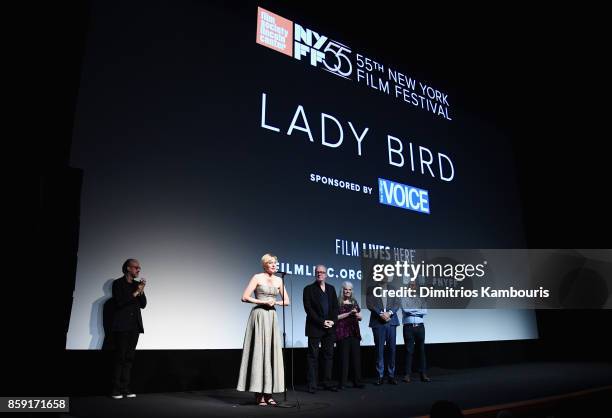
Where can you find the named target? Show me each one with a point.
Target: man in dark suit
(321, 306)
(384, 323)
(128, 299)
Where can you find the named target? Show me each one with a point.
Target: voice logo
(403, 196)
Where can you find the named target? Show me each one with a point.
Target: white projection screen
(209, 135)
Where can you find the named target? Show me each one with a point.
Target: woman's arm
(285, 297)
(248, 291)
(344, 315)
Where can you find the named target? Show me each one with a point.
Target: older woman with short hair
(348, 336)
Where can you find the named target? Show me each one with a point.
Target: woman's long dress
(261, 369)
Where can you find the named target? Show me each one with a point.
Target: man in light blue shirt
(384, 322)
(413, 314)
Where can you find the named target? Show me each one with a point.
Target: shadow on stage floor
(527, 389)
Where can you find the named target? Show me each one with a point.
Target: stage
(528, 389)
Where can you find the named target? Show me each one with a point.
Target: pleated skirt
(261, 368)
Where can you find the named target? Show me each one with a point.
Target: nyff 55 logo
(289, 38)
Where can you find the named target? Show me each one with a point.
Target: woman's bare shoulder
(258, 277)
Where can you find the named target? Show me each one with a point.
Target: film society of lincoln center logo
(274, 31)
(278, 33)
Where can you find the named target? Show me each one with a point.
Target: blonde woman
(261, 369)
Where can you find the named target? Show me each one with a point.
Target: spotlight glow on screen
(209, 136)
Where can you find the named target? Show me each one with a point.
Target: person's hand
(358, 316)
(385, 316)
(271, 302)
(353, 311)
(328, 324)
(142, 285)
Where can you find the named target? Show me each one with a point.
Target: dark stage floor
(469, 388)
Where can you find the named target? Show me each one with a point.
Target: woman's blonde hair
(268, 257)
